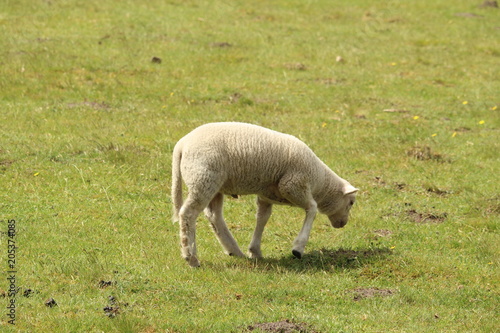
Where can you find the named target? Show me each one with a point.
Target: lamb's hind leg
(187, 220)
(263, 213)
(214, 214)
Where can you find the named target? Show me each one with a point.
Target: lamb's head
(340, 216)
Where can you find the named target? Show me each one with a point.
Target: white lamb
(238, 159)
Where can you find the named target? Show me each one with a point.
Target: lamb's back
(250, 156)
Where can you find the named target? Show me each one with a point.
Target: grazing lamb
(238, 159)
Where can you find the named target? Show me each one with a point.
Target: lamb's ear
(349, 189)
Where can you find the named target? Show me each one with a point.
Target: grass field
(401, 98)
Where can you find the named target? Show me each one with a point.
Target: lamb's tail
(176, 181)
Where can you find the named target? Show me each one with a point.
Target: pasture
(401, 98)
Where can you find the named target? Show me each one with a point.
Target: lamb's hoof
(237, 253)
(252, 255)
(193, 261)
(297, 254)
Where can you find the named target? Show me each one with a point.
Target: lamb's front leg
(300, 242)
(263, 213)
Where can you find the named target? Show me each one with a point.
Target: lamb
(218, 159)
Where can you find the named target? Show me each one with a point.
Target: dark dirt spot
(379, 180)
(361, 293)
(436, 190)
(417, 217)
(234, 98)
(443, 83)
(111, 311)
(221, 44)
(425, 153)
(400, 186)
(28, 292)
(114, 307)
(489, 4)
(4, 164)
(50, 303)
(284, 326)
(103, 284)
(103, 38)
(383, 233)
(156, 60)
(462, 129)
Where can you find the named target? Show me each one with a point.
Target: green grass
(88, 123)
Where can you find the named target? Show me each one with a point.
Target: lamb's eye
(351, 203)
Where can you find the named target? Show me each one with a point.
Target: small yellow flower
(323, 125)
(465, 102)
(394, 63)
(454, 134)
(36, 174)
(481, 122)
(433, 135)
(337, 111)
(494, 108)
(171, 94)
(416, 117)
(392, 247)
(490, 263)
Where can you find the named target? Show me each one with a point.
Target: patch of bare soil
(114, 307)
(463, 129)
(4, 164)
(284, 326)
(103, 284)
(493, 205)
(437, 191)
(221, 44)
(425, 153)
(361, 293)
(50, 303)
(417, 217)
(383, 233)
(489, 4)
(29, 292)
(156, 60)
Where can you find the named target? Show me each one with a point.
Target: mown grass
(410, 115)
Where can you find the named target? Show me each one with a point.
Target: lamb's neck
(329, 188)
